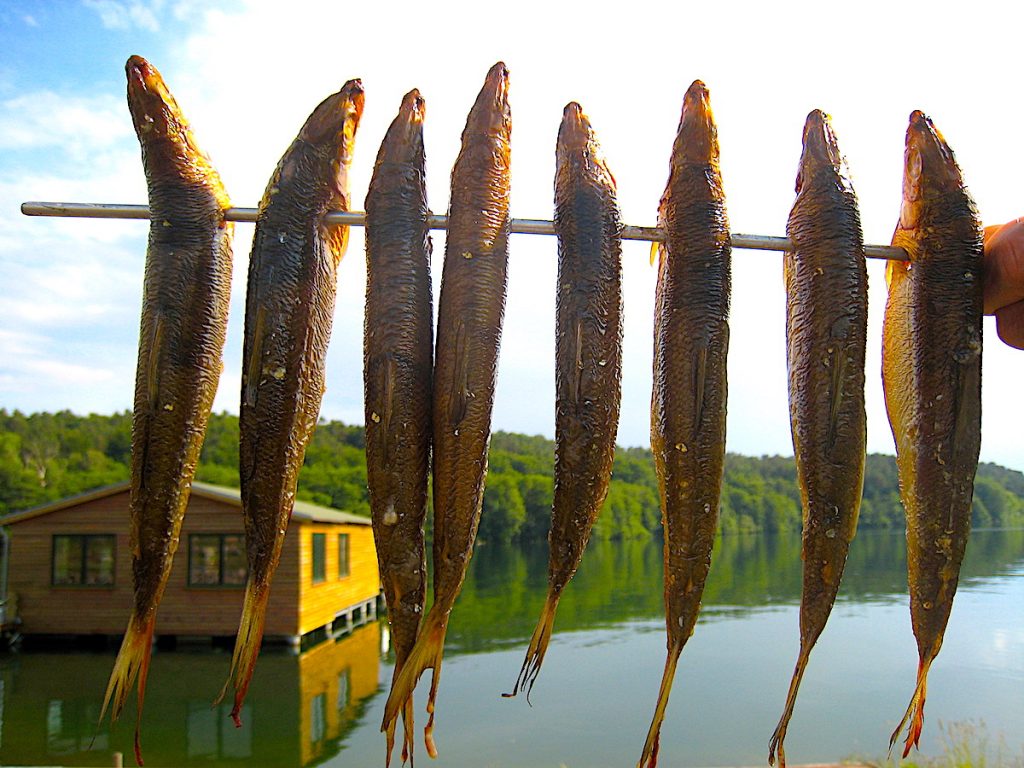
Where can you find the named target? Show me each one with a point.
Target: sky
(247, 74)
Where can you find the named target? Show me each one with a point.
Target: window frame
(83, 563)
(221, 537)
(345, 561)
(318, 576)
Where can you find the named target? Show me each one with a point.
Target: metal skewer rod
(358, 219)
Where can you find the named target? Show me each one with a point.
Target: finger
(1010, 324)
(1003, 282)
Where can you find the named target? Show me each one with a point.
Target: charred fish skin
(688, 403)
(186, 292)
(931, 365)
(470, 315)
(588, 357)
(398, 376)
(826, 333)
(288, 313)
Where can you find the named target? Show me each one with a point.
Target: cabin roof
(304, 510)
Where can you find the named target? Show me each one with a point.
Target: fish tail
(407, 732)
(775, 745)
(131, 665)
(538, 647)
(915, 712)
(649, 758)
(247, 646)
(408, 729)
(435, 678)
(425, 654)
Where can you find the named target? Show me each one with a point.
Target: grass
(964, 745)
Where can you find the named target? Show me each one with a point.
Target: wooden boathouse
(68, 569)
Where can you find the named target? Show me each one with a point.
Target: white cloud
(128, 14)
(45, 119)
(30, 20)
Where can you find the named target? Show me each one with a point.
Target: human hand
(1004, 280)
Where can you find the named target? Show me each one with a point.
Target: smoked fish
(826, 335)
(398, 377)
(289, 306)
(186, 290)
(588, 359)
(470, 314)
(931, 372)
(688, 403)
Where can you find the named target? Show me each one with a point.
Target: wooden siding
(320, 603)
(184, 610)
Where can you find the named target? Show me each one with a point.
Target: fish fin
(699, 380)
(657, 252)
(915, 712)
(247, 646)
(426, 654)
(460, 384)
(153, 364)
(252, 378)
(835, 390)
(537, 648)
(775, 745)
(649, 758)
(131, 665)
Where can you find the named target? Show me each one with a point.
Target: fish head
(929, 169)
(697, 138)
(820, 149)
(491, 114)
(154, 111)
(331, 129)
(404, 140)
(577, 144)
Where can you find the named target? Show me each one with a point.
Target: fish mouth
(820, 147)
(404, 140)
(150, 101)
(575, 131)
(491, 114)
(927, 156)
(336, 118)
(697, 137)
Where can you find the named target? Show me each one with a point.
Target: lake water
(594, 698)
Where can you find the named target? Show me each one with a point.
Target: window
(216, 560)
(83, 560)
(319, 557)
(343, 566)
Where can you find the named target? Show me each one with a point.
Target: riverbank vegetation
(47, 456)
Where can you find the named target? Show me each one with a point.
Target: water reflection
(299, 711)
(621, 581)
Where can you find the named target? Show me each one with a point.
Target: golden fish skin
(826, 335)
(588, 357)
(288, 312)
(184, 321)
(469, 324)
(688, 403)
(931, 372)
(398, 376)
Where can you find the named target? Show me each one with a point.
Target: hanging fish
(469, 323)
(931, 372)
(398, 356)
(288, 312)
(688, 403)
(588, 359)
(184, 321)
(826, 334)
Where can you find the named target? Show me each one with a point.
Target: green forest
(47, 456)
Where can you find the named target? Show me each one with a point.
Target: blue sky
(248, 73)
